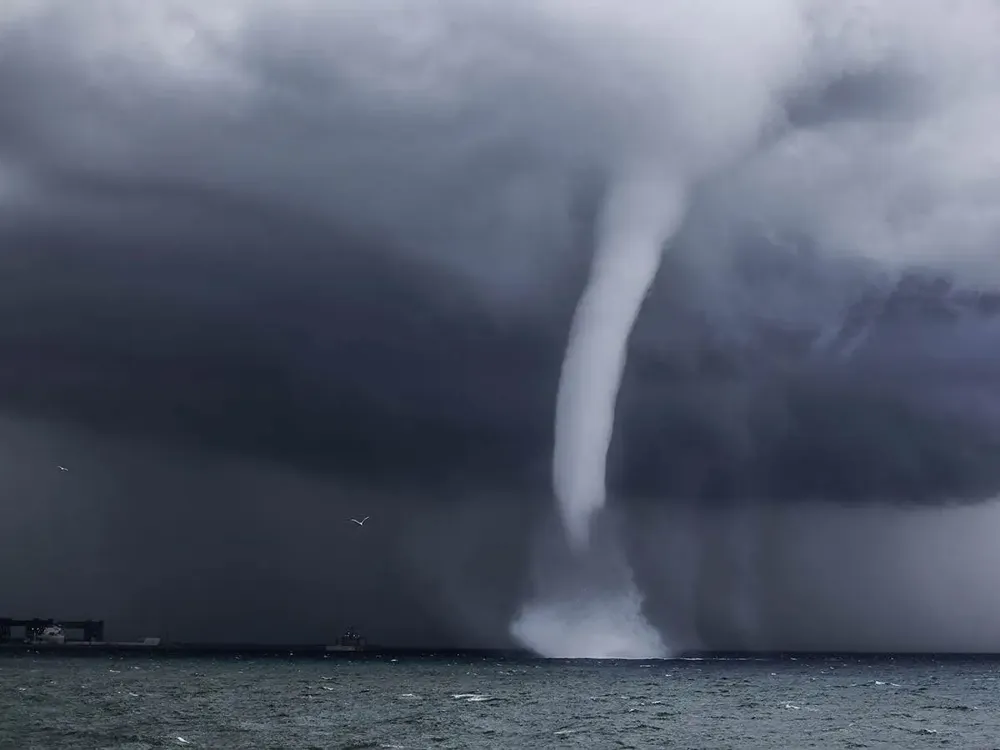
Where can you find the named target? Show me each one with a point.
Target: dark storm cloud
(234, 247)
(377, 370)
(334, 360)
(347, 241)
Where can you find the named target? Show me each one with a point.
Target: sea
(135, 702)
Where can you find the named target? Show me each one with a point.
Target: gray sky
(262, 264)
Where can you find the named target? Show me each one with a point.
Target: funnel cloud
(679, 315)
(637, 220)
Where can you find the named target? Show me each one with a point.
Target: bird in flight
(362, 521)
(62, 468)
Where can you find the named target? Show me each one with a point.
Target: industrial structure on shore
(37, 630)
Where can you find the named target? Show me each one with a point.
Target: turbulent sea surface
(138, 702)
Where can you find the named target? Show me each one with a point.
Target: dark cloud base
(293, 343)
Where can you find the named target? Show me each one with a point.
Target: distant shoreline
(313, 651)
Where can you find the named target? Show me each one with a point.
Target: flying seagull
(362, 521)
(62, 468)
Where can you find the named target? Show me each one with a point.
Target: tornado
(640, 215)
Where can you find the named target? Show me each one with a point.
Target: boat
(349, 641)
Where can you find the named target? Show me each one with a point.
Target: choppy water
(55, 702)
